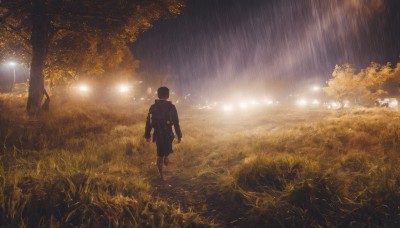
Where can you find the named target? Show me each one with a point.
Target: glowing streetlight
(123, 88)
(12, 64)
(83, 88)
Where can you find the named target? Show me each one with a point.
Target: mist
(219, 47)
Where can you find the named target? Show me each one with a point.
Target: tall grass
(336, 171)
(86, 164)
(316, 168)
(80, 166)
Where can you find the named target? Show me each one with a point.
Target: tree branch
(11, 9)
(16, 32)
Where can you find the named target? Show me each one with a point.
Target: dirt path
(191, 194)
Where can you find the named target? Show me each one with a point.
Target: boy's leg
(168, 148)
(160, 156)
(164, 147)
(166, 161)
(160, 166)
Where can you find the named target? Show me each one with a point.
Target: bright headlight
(301, 102)
(83, 88)
(123, 88)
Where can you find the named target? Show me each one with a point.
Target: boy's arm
(147, 131)
(175, 120)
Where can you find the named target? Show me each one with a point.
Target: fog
(217, 47)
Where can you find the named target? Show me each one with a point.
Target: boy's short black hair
(163, 92)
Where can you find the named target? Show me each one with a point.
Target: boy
(162, 115)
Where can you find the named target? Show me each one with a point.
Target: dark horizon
(232, 43)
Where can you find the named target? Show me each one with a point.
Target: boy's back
(161, 117)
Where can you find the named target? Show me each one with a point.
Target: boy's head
(163, 92)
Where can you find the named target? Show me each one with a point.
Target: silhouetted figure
(46, 104)
(161, 117)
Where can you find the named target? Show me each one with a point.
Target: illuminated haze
(267, 46)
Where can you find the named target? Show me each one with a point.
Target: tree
(373, 79)
(392, 86)
(362, 88)
(64, 38)
(343, 84)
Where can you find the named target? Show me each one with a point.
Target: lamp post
(12, 64)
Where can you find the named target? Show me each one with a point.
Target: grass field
(86, 164)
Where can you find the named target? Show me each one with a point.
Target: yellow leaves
(175, 6)
(146, 23)
(86, 37)
(364, 86)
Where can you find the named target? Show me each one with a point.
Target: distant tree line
(363, 87)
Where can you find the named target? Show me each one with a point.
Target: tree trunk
(40, 43)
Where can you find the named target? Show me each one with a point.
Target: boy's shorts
(164, 145)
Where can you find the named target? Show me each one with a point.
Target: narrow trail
(194, 195)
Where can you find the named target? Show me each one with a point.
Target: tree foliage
(364, 87)
(76, 37)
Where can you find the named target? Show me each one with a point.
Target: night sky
(220, 45)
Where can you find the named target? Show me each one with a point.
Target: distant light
(393, 103)
(243, 105)
(301, 102)
(315, 102)
(268, 102)
(254, 102)
(83, 88)
(227, 108)
(316, 88)
(142, 98)
(346, 103)
(334, 105)
(204, 107)
(12, 64)
(123, 88)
